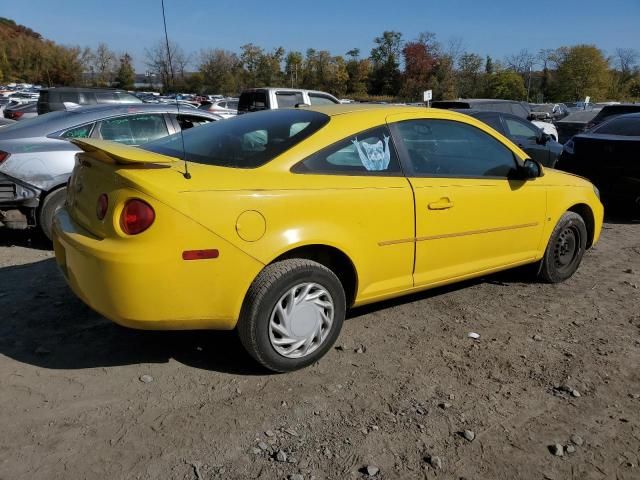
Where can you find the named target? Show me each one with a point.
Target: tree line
(394, 69)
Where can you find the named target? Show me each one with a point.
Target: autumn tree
(420, 57)
(220, 71)
(168, 64)
(102, 65)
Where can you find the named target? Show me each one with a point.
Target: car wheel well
(332, 258)
(587, 215)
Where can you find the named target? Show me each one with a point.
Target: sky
(497, 28)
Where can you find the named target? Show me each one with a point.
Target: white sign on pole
(428, 95)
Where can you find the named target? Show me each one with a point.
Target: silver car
(36, 159)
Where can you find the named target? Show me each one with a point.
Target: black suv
(52, 99)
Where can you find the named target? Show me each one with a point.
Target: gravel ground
(550, 389)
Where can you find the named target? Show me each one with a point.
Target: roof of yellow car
(345, 108)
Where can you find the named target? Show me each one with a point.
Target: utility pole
(529, 85)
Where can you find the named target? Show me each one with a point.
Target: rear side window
(368, 153)
(316, 99)
(253, 102)
(82, 131)
(627, 127)
(189, 121)
(134, 129)
(289, 99)
(444, 148)
(247, 141)
(520, 129)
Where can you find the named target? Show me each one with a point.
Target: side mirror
(531, 169)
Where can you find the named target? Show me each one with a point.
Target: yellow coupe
(274, 223)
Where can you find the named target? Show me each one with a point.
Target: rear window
(247, 141)
(627, 127)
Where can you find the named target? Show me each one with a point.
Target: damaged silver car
(36, 158)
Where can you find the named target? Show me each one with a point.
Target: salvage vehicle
(537, 144)
(257, 99)
(21, 112)
(66, 98)
(225, 107)
(611, 111)
(36, 157)
(511, 107)
(275, 223)
(609, 155)
(574, 123)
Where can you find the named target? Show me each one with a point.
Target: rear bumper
(153, 288)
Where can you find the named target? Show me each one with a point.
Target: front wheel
(565, 250)
(53, 202)
(292, 314)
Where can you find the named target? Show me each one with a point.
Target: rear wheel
(292, 314)
(565, 249)
(51, 204)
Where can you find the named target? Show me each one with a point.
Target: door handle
(441, 204)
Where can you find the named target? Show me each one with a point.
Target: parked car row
(36, 159)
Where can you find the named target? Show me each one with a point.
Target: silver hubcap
(301, 320)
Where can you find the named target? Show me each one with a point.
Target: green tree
(293, 68)
(508, 85)
(385, 76)
(125, 77)
(582, 71)
(250, 57)
(469, 76)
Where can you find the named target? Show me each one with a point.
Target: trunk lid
(101, 168)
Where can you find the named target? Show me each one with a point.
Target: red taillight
(137, 215)
(3, 156)
(103, 205)
(16, 115)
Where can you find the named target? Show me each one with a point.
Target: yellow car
(274, 223)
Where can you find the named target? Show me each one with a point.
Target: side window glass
(190, 121)
(368, 153)
(320, 100)
(447, 148)
(134, 130)
(289, 99)
(520, 129)
(79, 132)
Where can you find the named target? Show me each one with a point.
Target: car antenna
(186, 173)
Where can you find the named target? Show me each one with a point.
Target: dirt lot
(552, 362)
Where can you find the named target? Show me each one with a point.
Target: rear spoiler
(113, 152)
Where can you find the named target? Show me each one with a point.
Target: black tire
(267, 289)
(565, 249)
(51, 204)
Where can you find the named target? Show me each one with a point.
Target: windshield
(247, 141)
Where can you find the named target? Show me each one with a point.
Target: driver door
(472, 215)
